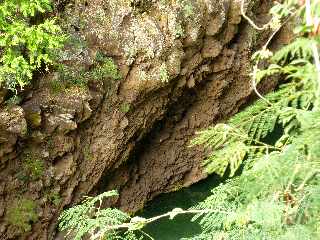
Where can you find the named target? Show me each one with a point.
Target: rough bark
(182, 71)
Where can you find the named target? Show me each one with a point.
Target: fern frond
(231, 156)
(258, 199)
(261, 125)
(87, 218)
(256, 122)
(259, 74)
(300, 48)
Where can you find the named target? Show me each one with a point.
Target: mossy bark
(185, 65)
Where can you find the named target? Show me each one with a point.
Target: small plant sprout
(125, 107)
(163, 73)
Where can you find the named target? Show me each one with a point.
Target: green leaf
(231, 156)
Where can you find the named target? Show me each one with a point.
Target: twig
(174, 212)
(307, 179)
(295, 172)
(168, 214)
(254, 86)
(146, 234)
(250, 21)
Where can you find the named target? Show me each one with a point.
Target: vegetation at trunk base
(21, 214)
(33, 166)
(53, 196)
(25, 45)
(69, 76)
(125, 107)
(270, 149)
(107, 69)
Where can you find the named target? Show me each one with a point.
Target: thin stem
(308, 13)
(317, 64)
(250, 21)
(278, 29)
(245, 138)
(168, 214)
(307, 179)
(309, 23)
(254, 86)
(266, 146)
(146, 234)
(295, 172)
(156, 218)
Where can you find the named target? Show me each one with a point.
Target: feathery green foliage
(25, 47)
(33, 166)
(107, 69)
(278, 195)
(69, 76)
(244, 133)
(89, 218)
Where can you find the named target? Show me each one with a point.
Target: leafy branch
(89, 219)
(25, 47)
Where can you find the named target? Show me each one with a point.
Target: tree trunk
(185, 65)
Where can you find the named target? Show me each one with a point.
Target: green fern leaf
(231, 156)
(300, 48)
